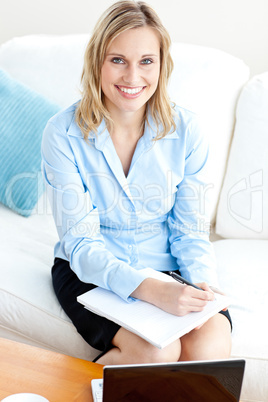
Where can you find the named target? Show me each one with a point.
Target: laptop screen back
(211, 381)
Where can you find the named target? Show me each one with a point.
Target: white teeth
(130, 91)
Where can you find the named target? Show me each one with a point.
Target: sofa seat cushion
(243, 275)
(29, 310)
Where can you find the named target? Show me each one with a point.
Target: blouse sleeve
(77, 220)
(189, 218)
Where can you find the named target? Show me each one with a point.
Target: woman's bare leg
(211, 341)
(130, 349)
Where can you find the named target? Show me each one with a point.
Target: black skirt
(97, 331)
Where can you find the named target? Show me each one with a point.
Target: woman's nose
(131, 75)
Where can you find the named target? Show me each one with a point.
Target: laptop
(199, 381)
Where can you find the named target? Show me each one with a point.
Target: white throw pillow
(242, 211)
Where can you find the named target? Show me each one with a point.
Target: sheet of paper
(149, 322)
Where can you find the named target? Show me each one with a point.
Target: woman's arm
(173, 297)
(77, 220)
(188, 220)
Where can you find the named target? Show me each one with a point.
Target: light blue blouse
(114, 230)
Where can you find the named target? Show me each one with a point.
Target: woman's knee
(212, 341)
(137, 350)
(170, 353)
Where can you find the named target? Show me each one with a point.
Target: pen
(182, 280)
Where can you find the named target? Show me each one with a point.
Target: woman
(123, 169)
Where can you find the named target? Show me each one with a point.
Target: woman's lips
(130, 92)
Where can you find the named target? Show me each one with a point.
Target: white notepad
(146, 320)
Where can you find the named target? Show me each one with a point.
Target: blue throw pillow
(23, 116)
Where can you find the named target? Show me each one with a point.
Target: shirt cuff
(129, 282)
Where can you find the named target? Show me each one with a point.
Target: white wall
(239, 27)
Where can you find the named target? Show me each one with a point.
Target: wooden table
(57, 377)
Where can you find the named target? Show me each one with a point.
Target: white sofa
(209, 82)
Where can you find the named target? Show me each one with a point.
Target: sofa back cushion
(243, 211)
(51, 65)
(205, 80)
(208, 81)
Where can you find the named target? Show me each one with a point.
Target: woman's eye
(117, 60)
(147, 61)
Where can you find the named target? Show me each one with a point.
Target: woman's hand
(174, 297)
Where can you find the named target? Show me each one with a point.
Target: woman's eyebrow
(123, 56)
(116, 54)
(150, 55)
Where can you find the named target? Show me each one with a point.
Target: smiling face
(130, 72)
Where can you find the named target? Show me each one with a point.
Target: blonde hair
(118, 18)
